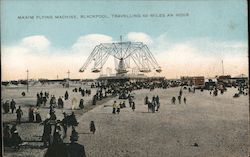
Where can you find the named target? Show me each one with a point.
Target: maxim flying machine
(125, 54)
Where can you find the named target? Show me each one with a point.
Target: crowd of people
(153, 104)
(55, 130)
(11, 137)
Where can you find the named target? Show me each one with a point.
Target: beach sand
(219, 125)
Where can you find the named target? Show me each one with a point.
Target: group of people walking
(173, 100)
(153, 104)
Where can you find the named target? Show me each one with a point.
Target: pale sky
(192, 45)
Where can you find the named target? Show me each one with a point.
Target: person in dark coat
(94, 99)
(44, 99)
(66, 95)
(38, 116)
(37, 99)
(65, 124)
(72, 120)
(92, 127)
(146, 100)
(12, 105)
(173, 100)
(31, 114)
(6, 106)
(16, 140)
(6, 135)
(75, 149)
(46, 131)
(179, 98)
(185, 100)
(118, 108)
(81, 104)
(58, 148)
(19, 114)
(60, 102)
(133, 106)
(130, 101)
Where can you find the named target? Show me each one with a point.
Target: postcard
(124, 78)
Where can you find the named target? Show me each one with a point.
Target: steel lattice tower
(123, 53)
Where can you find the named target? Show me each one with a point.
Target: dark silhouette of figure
(6, 106)
(60, 102)
(72, 120)
(57, 148)
(23, 94)
(16, 140)
(38, 116)
(81, 104)
(19, 114)
(75, 149)
(133, 106)
(12, 105)
(31, 114)
(146, 100)
(65, 123)
(179, 98)
(46, 132)
(92, 127)
(6, 135)
(118, 108)
(66, 95)
(173, 100)
(114, 107)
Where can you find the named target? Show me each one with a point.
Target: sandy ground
(219, 125)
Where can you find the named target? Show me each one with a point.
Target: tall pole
(68, 73)
(68, 77)
(121, 44)
(27, 80)
(222, 68)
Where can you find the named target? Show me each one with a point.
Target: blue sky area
(210, 31)
(216, 20)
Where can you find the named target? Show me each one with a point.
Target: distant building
(197, 81)
(240, 79)
(224, 80)
(129, 77)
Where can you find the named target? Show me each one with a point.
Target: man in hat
(75, 149)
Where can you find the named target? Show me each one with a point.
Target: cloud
(139, 37)
(193, 57)
(88, 42)
(38, 42)
(190, 59)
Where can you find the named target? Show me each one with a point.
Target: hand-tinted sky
(219, 20)
(222, 23)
